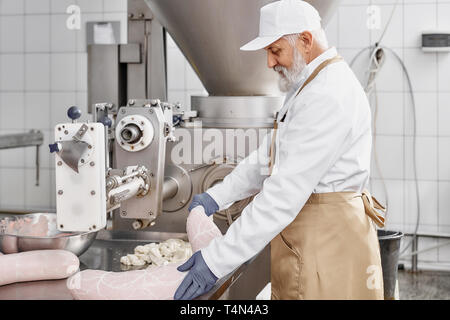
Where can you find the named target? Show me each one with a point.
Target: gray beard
(290, 77)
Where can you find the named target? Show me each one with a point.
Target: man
(312, 206)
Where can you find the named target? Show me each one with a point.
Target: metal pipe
(32, 138)
(414, 258)
(170, 188)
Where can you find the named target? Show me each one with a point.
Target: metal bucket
(390, 251)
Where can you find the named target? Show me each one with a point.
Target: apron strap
(371, 205)
(275, 123)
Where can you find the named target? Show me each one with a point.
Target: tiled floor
(424, 285)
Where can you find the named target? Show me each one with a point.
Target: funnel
(210, 33)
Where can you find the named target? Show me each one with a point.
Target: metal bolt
(92, 128)
(59, 163)
(92, 163)
(59, 128)
(94, 227)
(66, 132)
(89, 147)
(124, 213)
(92, 192)
(151, 111)
(150, 213)
(60, 192)
(142, 122)
(82, 160)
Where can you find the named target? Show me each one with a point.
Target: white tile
(12, 186)
(360, 61)
(426, 158)
(115, 5)
(444, 113)
(353, 31)
(82, 71)
(60, 6)
(422, 68)
(37, 33)
(390, 156)
(175, 70)
(37, 6)
(12, 158)
(37, 197)
(91, 5)
(444, 158)
(12, 72)
(426, 116)
(37, 110)
(46, 159)
(418, 18)
(11, 7)
(444, 71)
(394, 34)
(354, 2)
(82, 103)
(444, 203)
(12, 34)
(37, 72)
(332, 31)
(60, 103)
(431, 255)
(389, 119)
(62, 38)
(63, 71)
(390, 77)
(393, 200)
(443, 14)
(428, 196)
(444, 250)
(12, 111)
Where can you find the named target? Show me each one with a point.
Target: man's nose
(271, 61)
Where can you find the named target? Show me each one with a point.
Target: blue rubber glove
(198, 281)
(206, 201)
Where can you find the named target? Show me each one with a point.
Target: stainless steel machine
(150, 156)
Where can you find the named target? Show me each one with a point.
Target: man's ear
(306, 39)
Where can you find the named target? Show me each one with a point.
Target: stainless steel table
(104, 254)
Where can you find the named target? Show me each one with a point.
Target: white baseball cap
(281, 18)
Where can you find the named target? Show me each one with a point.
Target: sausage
(37, 265)
(153, 283)
(36, 290)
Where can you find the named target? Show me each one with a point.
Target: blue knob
(54, 147)
(107, 122)
(74, 113)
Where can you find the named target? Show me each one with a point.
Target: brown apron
(331, 249)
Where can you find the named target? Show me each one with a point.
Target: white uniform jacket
(323, 145)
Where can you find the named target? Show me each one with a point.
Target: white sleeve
(246, 179)
(318, 131)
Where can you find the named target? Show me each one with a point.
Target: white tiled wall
(430, 76)
(43, 71)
